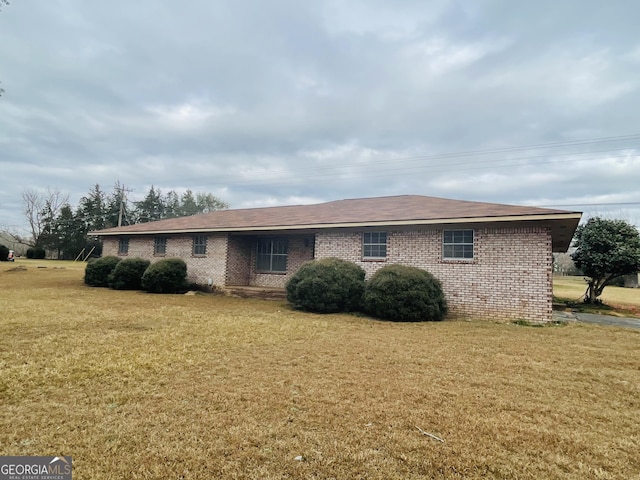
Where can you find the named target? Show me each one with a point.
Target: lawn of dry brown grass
(623, 301)
(136, 386)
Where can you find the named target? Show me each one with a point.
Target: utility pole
(121, 207)
(122, 198)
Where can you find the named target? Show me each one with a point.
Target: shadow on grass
(596, 308)
(553, 323)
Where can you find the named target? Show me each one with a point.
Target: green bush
(405, 294)
(128, 274)
(4, 253)
(37, 253)
(96, 273)
(326, 286)
(165, 276)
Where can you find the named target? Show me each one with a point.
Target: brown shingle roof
(404, 209)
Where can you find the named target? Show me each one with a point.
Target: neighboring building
(494, 261)
(563, 264)
(13, 243)
(631, 280)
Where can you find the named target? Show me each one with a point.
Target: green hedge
(127, 275)
(405, 294)
(37, 253)
(168, 275)
(96, 273)
(326, 286)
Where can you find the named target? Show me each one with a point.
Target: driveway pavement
(597, 319)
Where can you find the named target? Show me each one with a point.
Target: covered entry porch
(266, 260)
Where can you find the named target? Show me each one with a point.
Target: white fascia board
(325, 226)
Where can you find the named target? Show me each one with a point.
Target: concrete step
(265, 293)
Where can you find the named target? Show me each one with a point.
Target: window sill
(263, 272)
(199, 255)
(467, 261)
(374, 259)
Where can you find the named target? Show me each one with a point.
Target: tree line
(62, 229)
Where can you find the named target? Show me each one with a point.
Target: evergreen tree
(171, 205)
(65, 234)
(93, 209)
(605, 250)
(71, 232)
(117, 208)
(151, 208)
(206, 202)
(46, 238)
(188, 205)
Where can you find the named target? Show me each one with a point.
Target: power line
(297, 174)
(606, 204)
(527, 147)
(293, 179)
(474, 162)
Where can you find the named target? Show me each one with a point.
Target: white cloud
(589, 80)
(440, 56)
(295, 102)
(390, 22)
(189, 115)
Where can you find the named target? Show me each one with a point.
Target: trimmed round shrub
(326, 286)
(405, 294)
(128, 274)
(97, 272)
(36, 253)
(4, 253)
(168, 275)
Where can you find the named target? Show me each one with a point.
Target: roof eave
(323, 226)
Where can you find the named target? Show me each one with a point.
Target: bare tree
(40, 206)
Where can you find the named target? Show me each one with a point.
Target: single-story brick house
(494, 260)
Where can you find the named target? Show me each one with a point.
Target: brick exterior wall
(199, 268)
(228, 261)
(510, 276)
(239, 260)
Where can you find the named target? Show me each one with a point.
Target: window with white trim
(123, 245)
(271, 255)
(199, 245)
(374, 245)
(160, 245)
(457, 244)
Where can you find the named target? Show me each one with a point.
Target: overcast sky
(286, 101)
